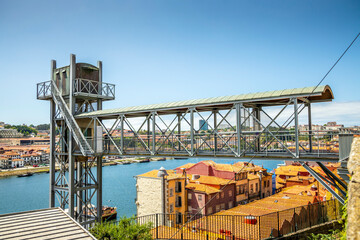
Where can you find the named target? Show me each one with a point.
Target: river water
(29, 193)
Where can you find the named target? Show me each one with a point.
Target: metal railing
(83, 87)
(319, 144)
(43, 90)
(85, 148)
(90, 87)
(239, 227)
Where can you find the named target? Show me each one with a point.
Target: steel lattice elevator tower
(76, 146)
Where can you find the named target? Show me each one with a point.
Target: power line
(328, 72)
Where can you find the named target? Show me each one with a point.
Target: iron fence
(239, 227)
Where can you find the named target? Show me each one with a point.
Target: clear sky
(167, 50)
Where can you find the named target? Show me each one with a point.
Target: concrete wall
(353, 208)
(148, 196)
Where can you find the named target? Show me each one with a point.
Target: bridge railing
(282, 144)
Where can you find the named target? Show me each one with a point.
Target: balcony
(83, 88)
(93, 89)
(43, 90)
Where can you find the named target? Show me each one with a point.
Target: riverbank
(30, 169)
(19, 171)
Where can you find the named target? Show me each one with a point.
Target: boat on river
(26, 174)
(108, 213)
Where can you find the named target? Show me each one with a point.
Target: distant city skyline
(163, 51)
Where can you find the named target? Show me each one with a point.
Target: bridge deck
(269, 98)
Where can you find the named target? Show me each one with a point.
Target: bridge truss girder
(247, 135)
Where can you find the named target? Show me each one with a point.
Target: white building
(16, 163)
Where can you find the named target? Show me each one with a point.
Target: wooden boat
(25, 174)
(108, 213)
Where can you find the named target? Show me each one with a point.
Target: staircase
(84, 146)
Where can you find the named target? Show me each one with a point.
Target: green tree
(24, 129)
(43, 127)
(125, 229)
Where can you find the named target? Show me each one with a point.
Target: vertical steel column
(71, 83)
(215, 129)
(153, 133)
(79, 172)
(70, 141)
(99, 101)
(179, 129)
(296, 127)
(148, 132)
(238, 127)
(99, 187)
(192, 130)
(122, 133)
(98, 183)
(310, 127)
(52, 142)
(257, 127)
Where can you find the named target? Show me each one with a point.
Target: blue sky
(160, 51)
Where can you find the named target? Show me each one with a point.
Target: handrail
(73, 126)
(81, 84)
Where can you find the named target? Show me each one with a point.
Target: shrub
(125, 229)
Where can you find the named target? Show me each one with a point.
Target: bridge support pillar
(192, 129)
(215, 131)
(238, 107)
(52, 143)
(310, 127)
(296, 119)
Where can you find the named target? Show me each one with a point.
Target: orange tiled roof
(289, 170)
(301, 178)
(211, 180)
(253, 176)
(202, 188)
(17, 160)
(153, 174)
(273, 203)
(304, 190)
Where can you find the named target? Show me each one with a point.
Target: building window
(171, 208)
(189, 208)
(222, 194)
(217, 196)
(264, 184)
(251, 188)
(222, 206)
(217, 208)
(268, 183)
(242, 189)
(178, 202)
(178, 218)
(237, 190)
(189, 196)
(171, 192)
(230, 193)
(200, 197)
(230, 204)
(178, 187)
(209, 211)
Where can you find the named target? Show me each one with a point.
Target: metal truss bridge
(264, 125)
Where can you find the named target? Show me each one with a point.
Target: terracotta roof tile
(202, 188)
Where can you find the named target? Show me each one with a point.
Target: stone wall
(353, 208)
(148, 196)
